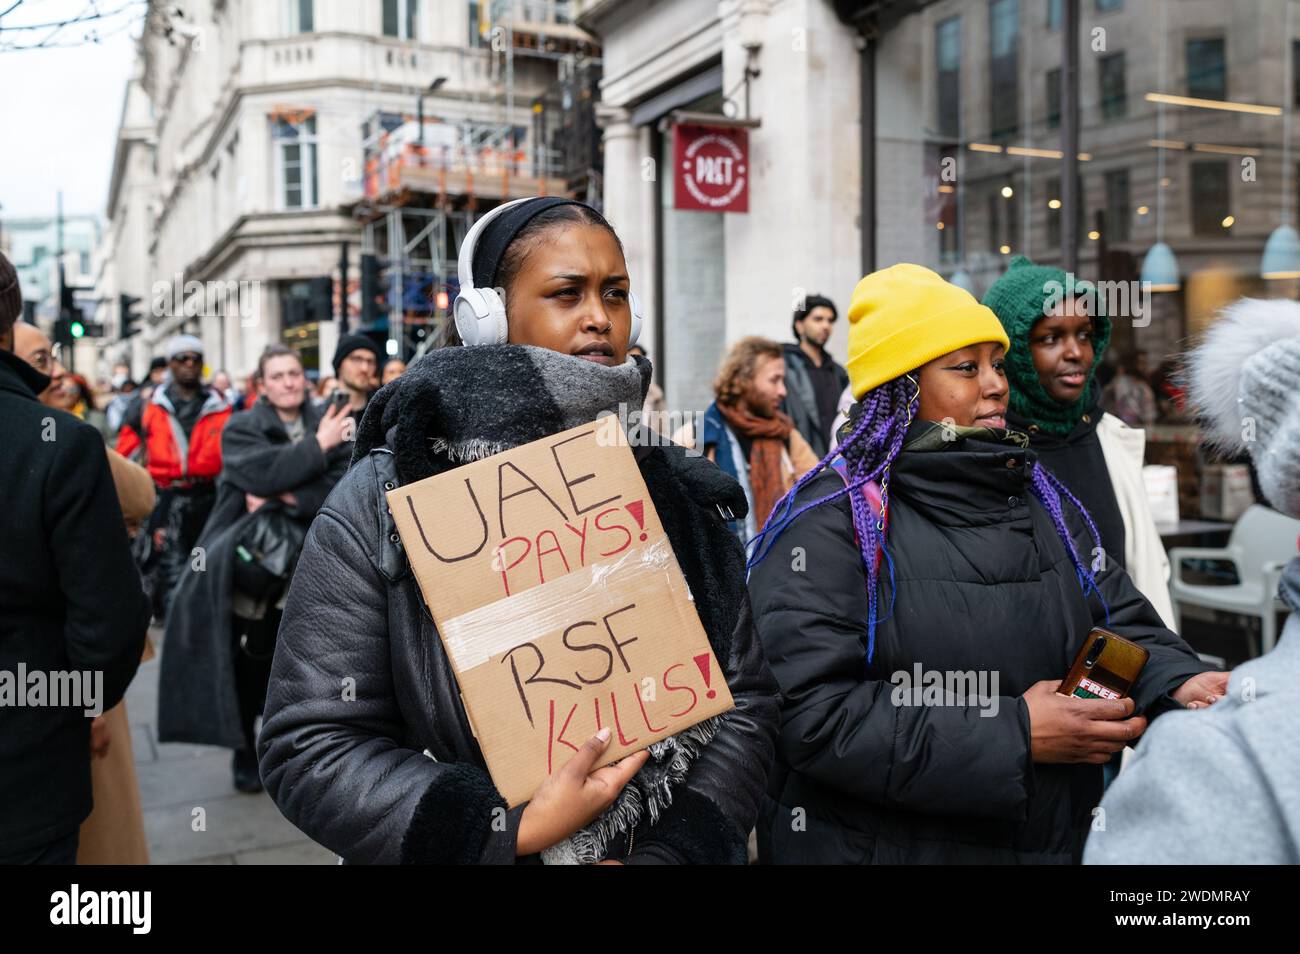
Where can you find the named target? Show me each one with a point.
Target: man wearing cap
(356, 360)
(177, 436)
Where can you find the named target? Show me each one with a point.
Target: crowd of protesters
(963, 494)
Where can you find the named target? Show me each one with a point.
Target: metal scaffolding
(427, 180)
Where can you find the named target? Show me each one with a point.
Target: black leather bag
(267, 552)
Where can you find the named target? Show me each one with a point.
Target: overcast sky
(60, 107)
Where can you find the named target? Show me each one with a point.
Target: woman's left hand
(1202, 690)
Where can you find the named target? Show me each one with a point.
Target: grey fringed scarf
(457, 405)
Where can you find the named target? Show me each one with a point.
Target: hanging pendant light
(1160, 268)
(1281, 254)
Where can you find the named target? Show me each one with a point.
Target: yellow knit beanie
(905, 316)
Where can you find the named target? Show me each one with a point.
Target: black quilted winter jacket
(984, 584)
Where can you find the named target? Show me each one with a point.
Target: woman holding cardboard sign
(955, 580)
(367, 745)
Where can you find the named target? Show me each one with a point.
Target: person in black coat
(814, 382)
(391, 772)
(71, 601)
(920, 603)
(284, 453)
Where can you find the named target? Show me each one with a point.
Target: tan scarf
(767, 436)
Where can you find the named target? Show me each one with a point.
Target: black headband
(491, 246)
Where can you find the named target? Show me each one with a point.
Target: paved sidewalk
(177, 779)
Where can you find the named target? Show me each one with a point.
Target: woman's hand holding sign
(575, 795)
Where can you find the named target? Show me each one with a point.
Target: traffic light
(63, 330)
(127, 315)
(67, 305)
(372, 289)
(77, 328)
(68, 314)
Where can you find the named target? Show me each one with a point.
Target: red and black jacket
(152, 435)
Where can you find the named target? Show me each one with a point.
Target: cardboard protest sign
(559, 602)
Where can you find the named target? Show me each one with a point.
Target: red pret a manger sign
(559, 602)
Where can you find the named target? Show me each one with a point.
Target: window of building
(1210, 198)
(295, 154)
(1105, 6)
(298, 16)
(305, 305)
(1054, 14)
(1207, 72)
(1114, 92)
(399, 18)
(1119, 213)
(1054, 98)
(1004, 68)
(947, 43)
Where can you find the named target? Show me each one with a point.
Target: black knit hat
(11, 296)
(491, 245)
(351, 343)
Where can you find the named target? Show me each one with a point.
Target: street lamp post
(419, 104)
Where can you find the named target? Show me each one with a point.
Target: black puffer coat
(396, 775)
(983, 583)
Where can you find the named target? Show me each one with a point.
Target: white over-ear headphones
(480, 313)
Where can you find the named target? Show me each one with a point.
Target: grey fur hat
(1245, 378)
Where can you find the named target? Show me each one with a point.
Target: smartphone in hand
(1106, 668)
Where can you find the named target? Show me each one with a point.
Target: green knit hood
(1017, 298)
